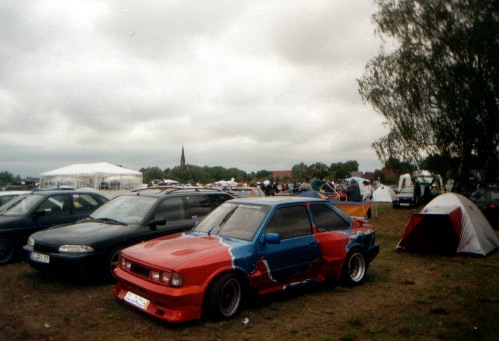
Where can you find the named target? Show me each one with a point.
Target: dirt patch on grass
(405, 296)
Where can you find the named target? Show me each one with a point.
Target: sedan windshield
(21, 205)
(125, 209)
(239, 221)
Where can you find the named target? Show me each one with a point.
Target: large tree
(7, 178)
(438, 88)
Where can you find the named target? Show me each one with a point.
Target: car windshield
(125, 209)
(240, 221)
(21, 205)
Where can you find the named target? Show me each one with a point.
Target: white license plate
(40, 257)
(405, 204)
(136, 300)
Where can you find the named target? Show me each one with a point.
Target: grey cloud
(253, 85)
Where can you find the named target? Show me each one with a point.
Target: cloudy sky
(247, 84)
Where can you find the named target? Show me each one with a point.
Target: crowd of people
(352, 190)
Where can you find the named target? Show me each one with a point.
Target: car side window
(327, 220)
(56, 205)
(290, 222)
(171, 209)
(84, 203)
(197, 206)
(217, 199)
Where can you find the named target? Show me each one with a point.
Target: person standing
(417, 194)
(353, 191)
(368, 192)
(316, 184)
(305, 186)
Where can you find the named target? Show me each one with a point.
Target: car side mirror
(156, 222)
(272, 238)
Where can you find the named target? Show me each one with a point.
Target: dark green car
(29, 213)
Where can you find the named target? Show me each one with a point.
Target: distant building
(364, 175)
(388, 172)
(282, 174)
(356, 174)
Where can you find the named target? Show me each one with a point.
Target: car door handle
(312, 242)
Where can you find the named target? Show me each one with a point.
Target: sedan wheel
(114, 258)
(6, 251)
(224, 296)
(355, 268)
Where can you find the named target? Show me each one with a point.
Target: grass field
(405, 297)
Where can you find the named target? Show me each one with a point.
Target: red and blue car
(245, 247)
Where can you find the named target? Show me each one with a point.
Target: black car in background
(29, 213)
(90, 248)
(487, 199)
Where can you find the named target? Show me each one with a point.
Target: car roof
(4, 193)
(277, 200)
(65, 191)
(159, 192)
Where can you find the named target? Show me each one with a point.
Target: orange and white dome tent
(449, 224)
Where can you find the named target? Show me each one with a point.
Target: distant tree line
(7, 178)
(444, 165)
(185, 173)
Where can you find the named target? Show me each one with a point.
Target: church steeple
(182, 158)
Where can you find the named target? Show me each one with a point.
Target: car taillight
(493, 206)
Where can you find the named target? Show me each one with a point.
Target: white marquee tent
(100, 175)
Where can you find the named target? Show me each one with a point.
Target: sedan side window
(56, 205)
(327, 220)
(84, 203)
(290, 222)
(171, 209)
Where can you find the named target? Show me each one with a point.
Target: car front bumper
(166, 303)
(76, 263)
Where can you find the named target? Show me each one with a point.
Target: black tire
(6, 251)
(355, 268)
(224, 297)
(112, 261)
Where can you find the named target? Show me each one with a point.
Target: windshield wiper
(109, 220)
(222, 223)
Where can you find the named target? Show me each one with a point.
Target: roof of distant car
(161, 192)
(275, 200)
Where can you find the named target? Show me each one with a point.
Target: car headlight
(177, 280)
(76, 248)
(31, 242)
(170, 278)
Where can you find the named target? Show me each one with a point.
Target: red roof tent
(449, 224)
(437, 233)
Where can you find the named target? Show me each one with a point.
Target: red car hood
(172, 251)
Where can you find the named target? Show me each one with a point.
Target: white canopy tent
(100, 175)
